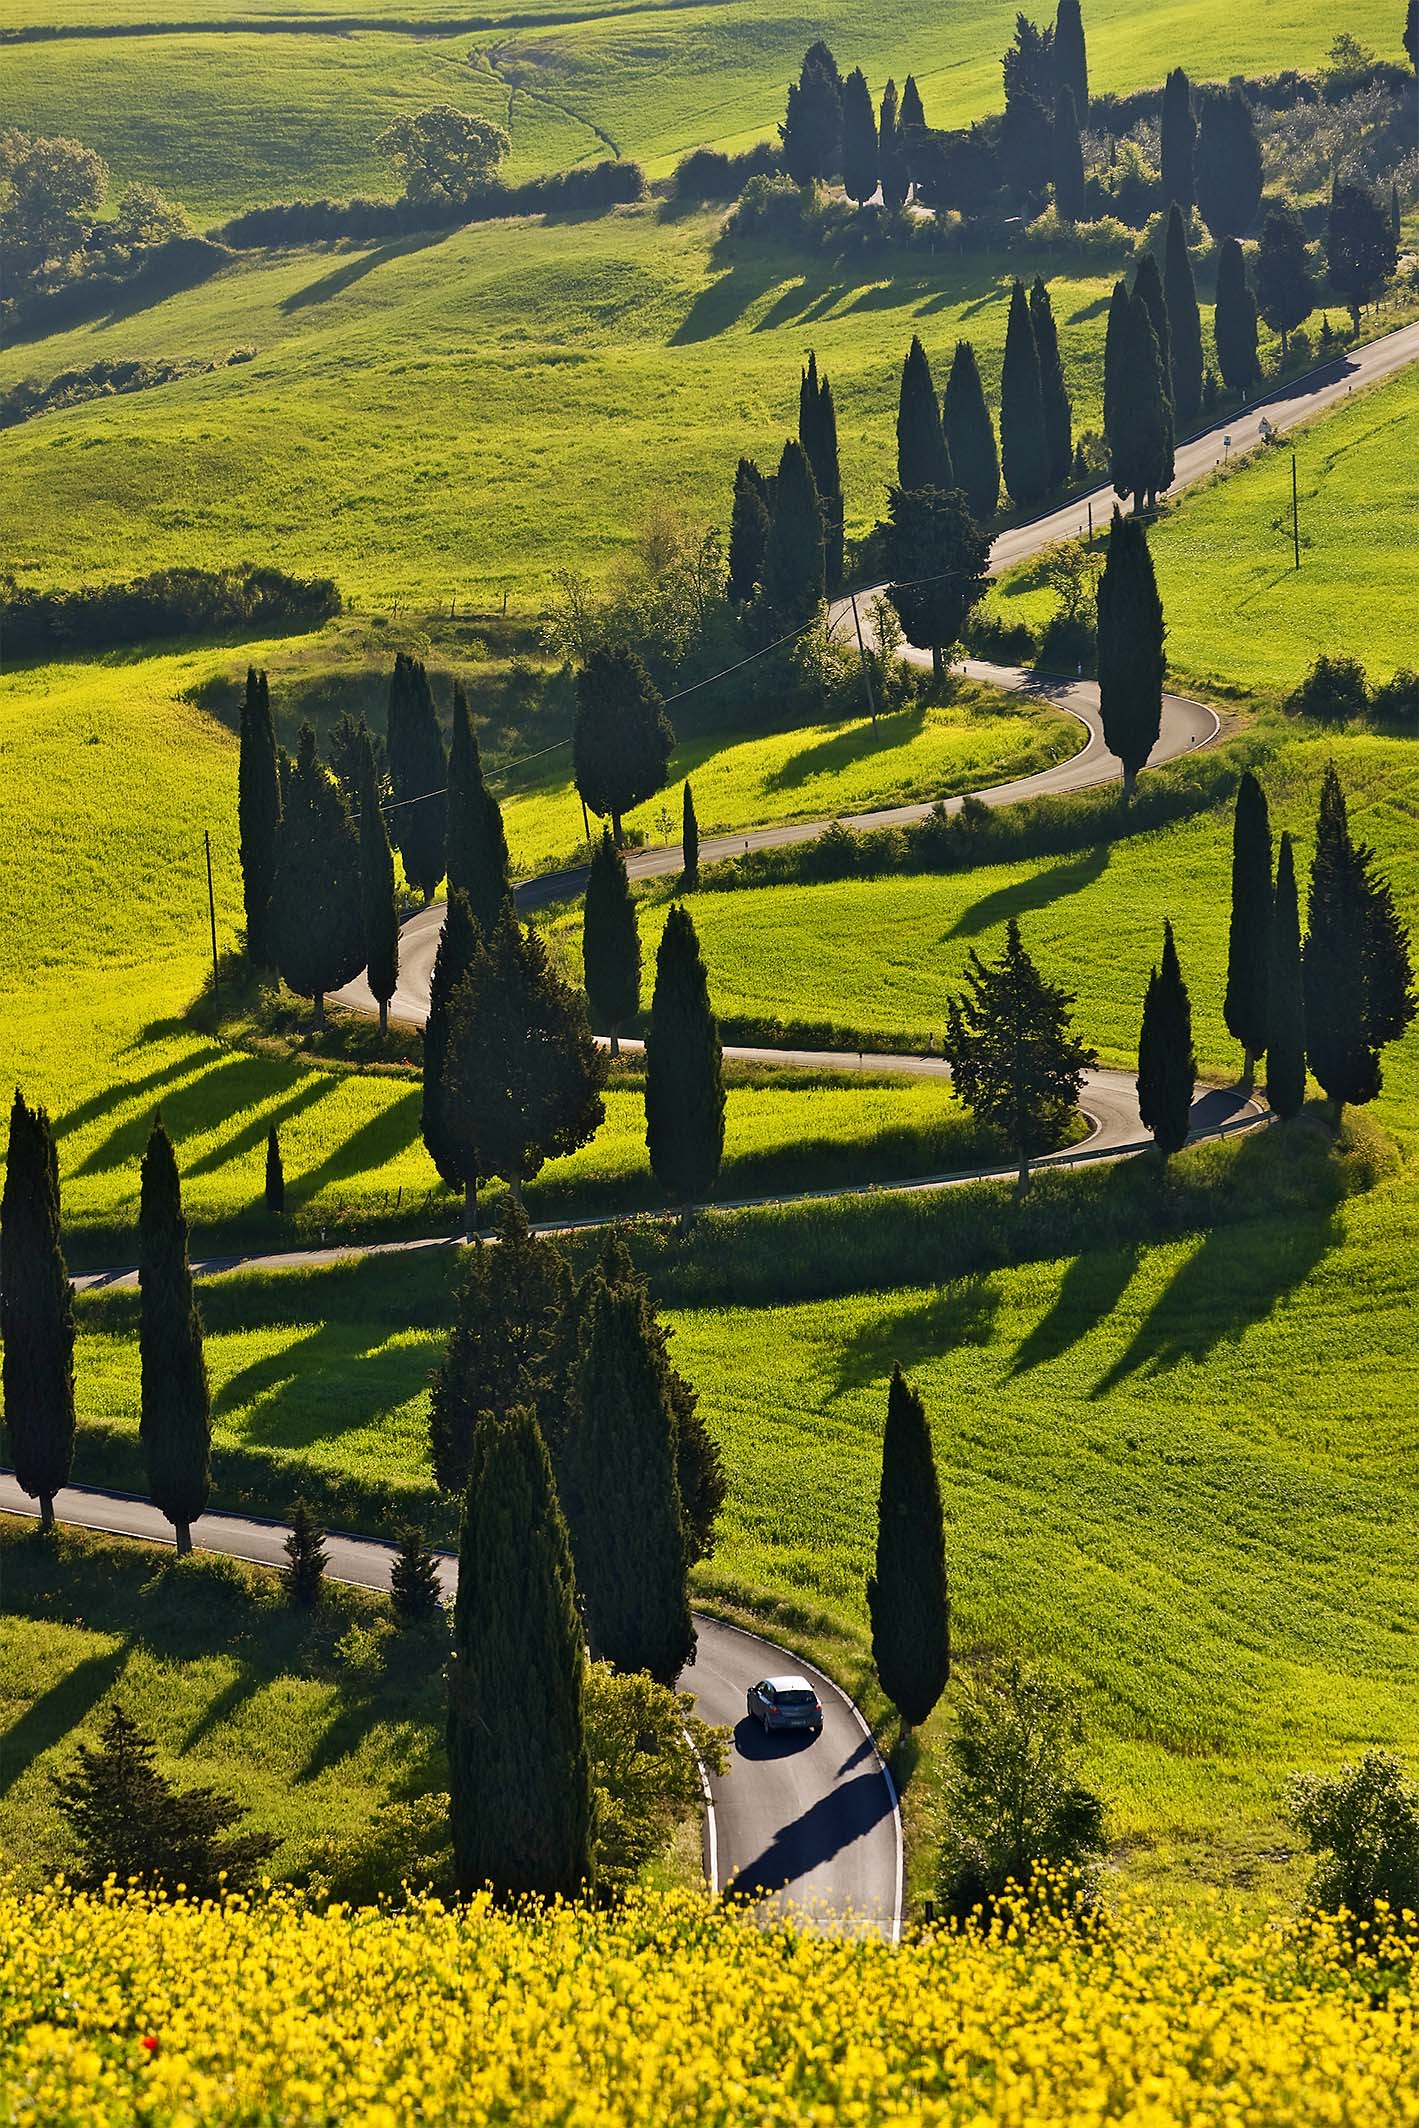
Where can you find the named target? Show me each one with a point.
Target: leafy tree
(970, 434)
(610, 942)
(748, 532)
(891, 152)
(859, 139)
(1227, 166)
(1028, 67)
(912, 117)
(1362, 1824)
(258, 815)
(459, 941)
(477, 855)
(418, 774)
(378, 911)
(414, 1592)
(1285, 291)
(622, 738)
(794, 574)
(1014, 1058)
(443, 155)
(1334, 691)
(1234, 320)
(142, 219)
(923, 460)
(1167, 1064)
(130, 1821)
(938, 558)
(306, 1558)
(1071, 62)
(1184, 321)
(36, 1312)
(1250, 937)
(812, 129)
(689, 841)
(317, 932)
(646, 1746)
(275, 1175)
(1054, 393)
(1360, 250)
(51, 191)
(1285, 995)
(1024, 445)
(1068, 166)
(908, 1599)
(175, 1419)
(1359, 983)
(1130, 660)
(519, 1775)
(684, 1074)
(1179, 140)
(1140, 439)
(818, 434)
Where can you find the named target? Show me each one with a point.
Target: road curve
(810, 1827)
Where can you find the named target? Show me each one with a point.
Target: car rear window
(796, 1699)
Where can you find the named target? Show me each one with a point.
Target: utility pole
(862, 653)
(212, 916)
(1295, 512)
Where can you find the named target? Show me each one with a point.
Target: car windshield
(796, 1699)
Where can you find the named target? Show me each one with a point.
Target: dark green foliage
(937, 556)
(1362, 1824)
(1227, 164)
(859, 139)
(684, 1077)
(794, 575)
(1054, 393)
(36, 1312)
(317, 934)
(1285, 995)
(908, 1599)
(891, 152)
(1334, 691)
(1024, 446)
(414, 1593)
(1249, 938)
(1131, 663)
(1360, 250)
(1167, 1063)
(1014, 1058)
(1141, 438)
(1179, 140)
(1285, 291)
(818, 434)
(477, 856)
(689, 841)
(418, 774)
(1115, 354)
(1359, 983)
(622, 738)
(1025, 160)
(923, 460)
(610, 942)
(344, 752)
(970, 434)
(306, 1558)
(1148, 289)
(130, 1821)
(748, 532)
(1184, 322)
(912, 114)
(519, 1775)
(812, 129)
(275, 1175)
(175, 1421)
(258, 815)
(1068, 164)
(1411, 33)
(379, 913)
(459, 941)
(1234, 320)
(1027, 68)
(1071, 62)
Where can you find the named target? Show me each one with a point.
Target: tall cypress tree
(1359, 984)
(275, 1188)
(459, 943)
(812, 129)
(891, 153)
(1184, 321)
(684, 1073)
(1068, 164)
(1148, 289)
(938, 557)
(1250, 937)
(859, 139)
(316, 927)
(1167, 1065)
(1115, 355)
(377, 904)
(908, 1597)
(1131, 660)
(1024, 446)
(748, 532)
(175, 1422)
(970, 434)
(622, 739)
(1227, 165)
(1140, 439)
(1286, 1003)
(418, 773)
(689, 841)
(477, 857)
(1179, 140)
(1071, 62)
(36, 1312)
(1285, 291)
(923, 460)
(911, 113)
(1054, 393)
(258, 815)
(818, 434)
(793, 560)
(610, 942)
(1234, 320)
(520, 1802)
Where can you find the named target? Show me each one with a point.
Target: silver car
(786, 1703)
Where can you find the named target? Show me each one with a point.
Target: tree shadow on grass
(1090, 1289)
(50, 1718)
(723, 303)
(1027, 896)
(121, 1091)
(224, 1085)
(1088, 311)
(403, 1695)
(354, 269)
(330, 1382)
(253, 1132)
(844, 749)
(962, 1313)
(377, 1142)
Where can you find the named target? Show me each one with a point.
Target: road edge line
(710, 1821)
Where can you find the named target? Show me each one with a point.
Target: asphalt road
(806, 1825)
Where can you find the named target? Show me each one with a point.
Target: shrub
(1068, 643)
(986, 635)
(169, 602)
(593, 185)
(102, 380)
(774, 207)
(1333, 692)
(1105, 237)
(1362, 1824)
(707, 174)
(1396, 700)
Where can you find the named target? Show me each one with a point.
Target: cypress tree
(1068, 166)
(891, 153)
(1167, 1066)
(610, 942)
(306, 1558)
(520, 1803)
(1054, 393)
(418, 773)
(970, 434)
(1286, 1004)
(379, 913)
(414, 1592)
(689, 842)
(1358, 977)
(818, 434)
(938, 557)
(859, 139)
(1184, 321)
(1071, 62)
(1250, 938)
(912, 114)
(1140, 441)
(1284, 288)
(812, 129)
(622, 739)
(1148, 289)
(1179, 141)
(275, 1175)
(748, 532)
(175, 1421)
(258, 815)
(1234, 320)
(36, 1312)
(793, 560)
(908, 1597)
(1115, 355)
(477, 856)
(317, 928)
(1227, 165)
(1130, 657)
(459, 943)
(684, 1076)
(1024, 446)
(923, 460)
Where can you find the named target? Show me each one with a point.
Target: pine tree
(459, 942)
(610, 942)
(1360, 248)
(818, 434)
(1167, 1066)
(477, 857)
(1358, 976)
(418, 774)
(36, 1312)
(689, 842)
(938, 557)
(175, 1416)
(622, 739)
(812, 129)
(912, 115)
(794, 574)
(520, 1801)
(258, 815)
(275, 1175)
(316, 929)
(1227, 164)
(1131, 663)
(379, 913)
(1024, 446)
(1286, 1004)
(306, 1558)
(684, 1077)
(1068, 167)
(908, 1597)
(1071, 63)
(414, 1592)
(1285, 291)
(1234, 320)
(1148, 289)
(1140, 440)
(970, 434)
(748, 532)
(891, 153)
(923, 460)
(1054, 393)
(1250, 938)
(1184, 321)
(859, 139)
(1179, 141)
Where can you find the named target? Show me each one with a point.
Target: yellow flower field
(117, 2010)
